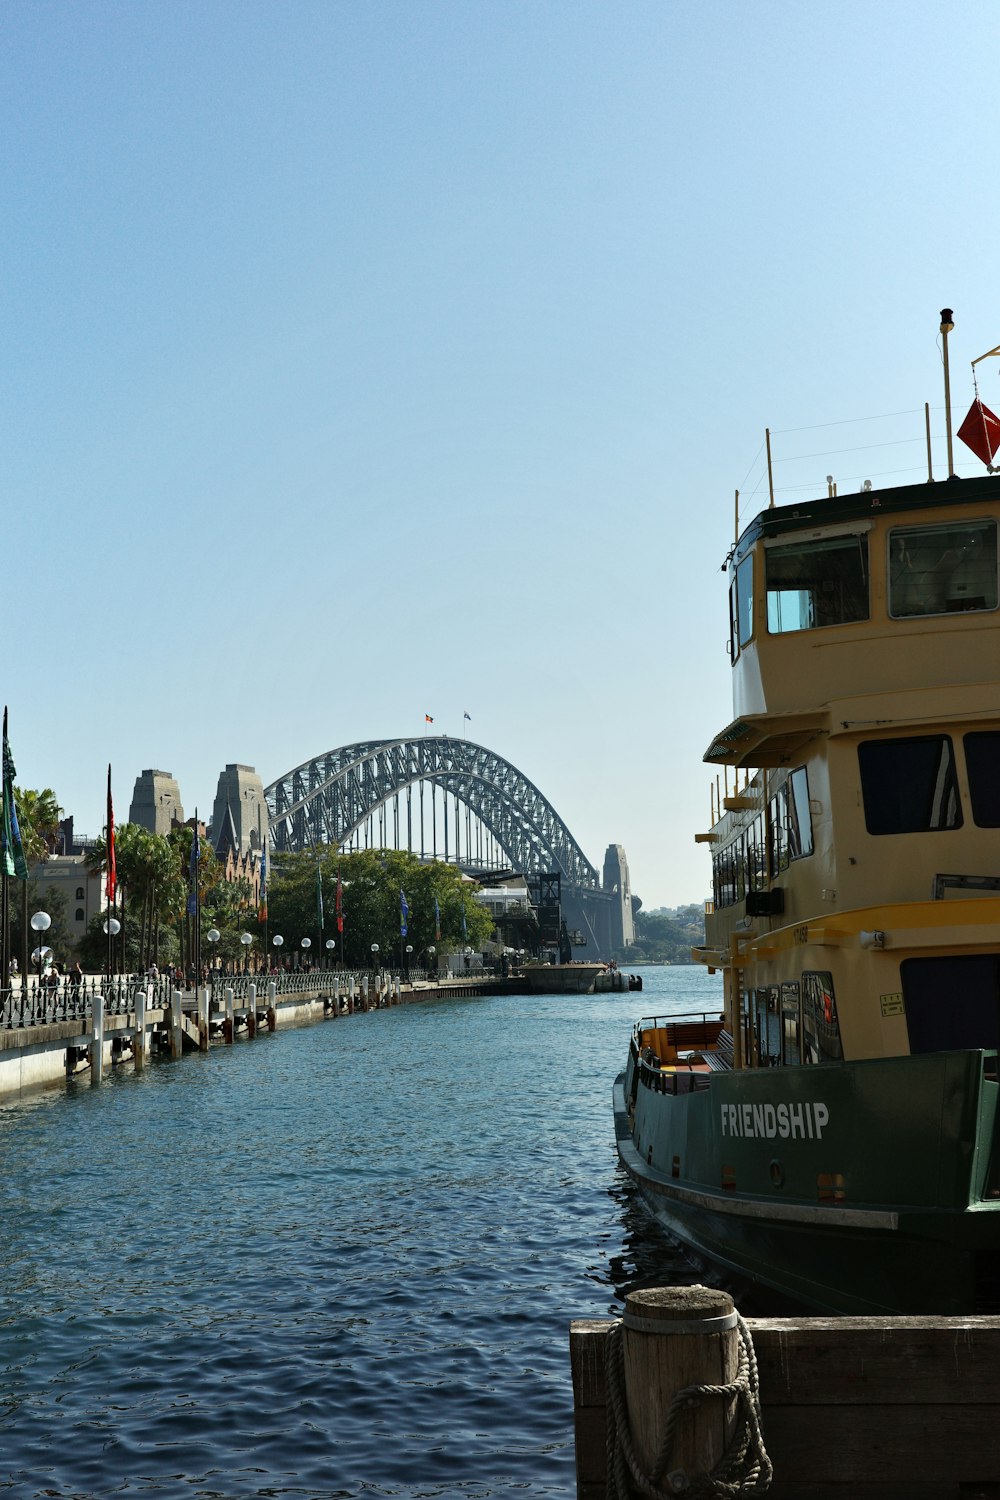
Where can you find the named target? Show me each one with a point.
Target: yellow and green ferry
(836, 1133)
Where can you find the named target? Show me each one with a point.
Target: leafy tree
(47, 899)
(372, 882)
(667, 937)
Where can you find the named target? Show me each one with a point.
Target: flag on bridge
(404, 912)
(111, 884)
(428, 719)
(467, 716)
(13, 861)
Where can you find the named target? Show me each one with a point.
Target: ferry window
(937, 570)
(909, 786)
(952, 1003)
(816, 583)
(982, 761)
(744, 599)
(791, 821)
(820, 1024)
(768, 1040)
(757, 856)
(790, 1023)
(741, 607)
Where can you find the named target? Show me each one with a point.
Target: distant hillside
(668, 936)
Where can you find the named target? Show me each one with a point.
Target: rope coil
(743, 1469)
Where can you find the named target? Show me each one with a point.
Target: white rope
(743, 1469)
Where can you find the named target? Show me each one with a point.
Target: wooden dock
(870, 1408)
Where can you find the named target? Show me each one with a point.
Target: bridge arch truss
(333, 799)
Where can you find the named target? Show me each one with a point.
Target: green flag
(12, 860)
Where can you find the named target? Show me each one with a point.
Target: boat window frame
(873, 788)
(893, 572)
(792, 1013)
(816, 538)
(812, 1042)
(982, 788)
(785, 806)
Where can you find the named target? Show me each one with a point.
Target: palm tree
(39, 815)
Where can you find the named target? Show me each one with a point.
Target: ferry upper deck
(874, 608)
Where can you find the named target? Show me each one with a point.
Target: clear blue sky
(369, 360)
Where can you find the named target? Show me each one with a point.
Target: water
(338, 1261)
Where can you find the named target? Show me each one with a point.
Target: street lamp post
(374, 956)
(213, 934)
(40, 922)
(277, 942)
(246, 938)
(409, 950)
(112, 927)
(305, 945)
(330, 945)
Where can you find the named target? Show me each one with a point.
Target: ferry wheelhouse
(837, 1133)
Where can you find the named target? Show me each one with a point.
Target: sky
(364, 361)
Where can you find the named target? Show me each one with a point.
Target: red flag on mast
(112, 882)
(340, 904)
(981, 432)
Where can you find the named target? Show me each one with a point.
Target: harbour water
(338, 1261)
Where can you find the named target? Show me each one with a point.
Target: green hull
(859, 1188)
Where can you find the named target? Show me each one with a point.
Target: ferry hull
(910, 1228)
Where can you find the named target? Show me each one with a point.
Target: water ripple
(338, 1262)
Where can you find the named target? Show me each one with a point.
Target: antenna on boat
(770, 475)
(736, 528)
(947, 324)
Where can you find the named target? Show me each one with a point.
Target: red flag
(112, 881)
(981, 432)
(340, 905)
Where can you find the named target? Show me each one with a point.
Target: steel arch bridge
(334, 798)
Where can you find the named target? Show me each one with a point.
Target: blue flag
(464, 933)
(437, 921)
(404, 913)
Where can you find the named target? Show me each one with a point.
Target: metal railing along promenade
(33, 1004)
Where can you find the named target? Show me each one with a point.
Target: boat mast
(947, 324)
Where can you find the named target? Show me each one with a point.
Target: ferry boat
(835, 1134)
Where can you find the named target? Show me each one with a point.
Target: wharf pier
(849, 1408)
(49, 1035)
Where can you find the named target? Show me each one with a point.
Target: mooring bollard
(142, 998)
(176, 1028)
(203, 1004)
(673, 1338)
(251, 1010)
(227, 1025)
(97, 1045)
